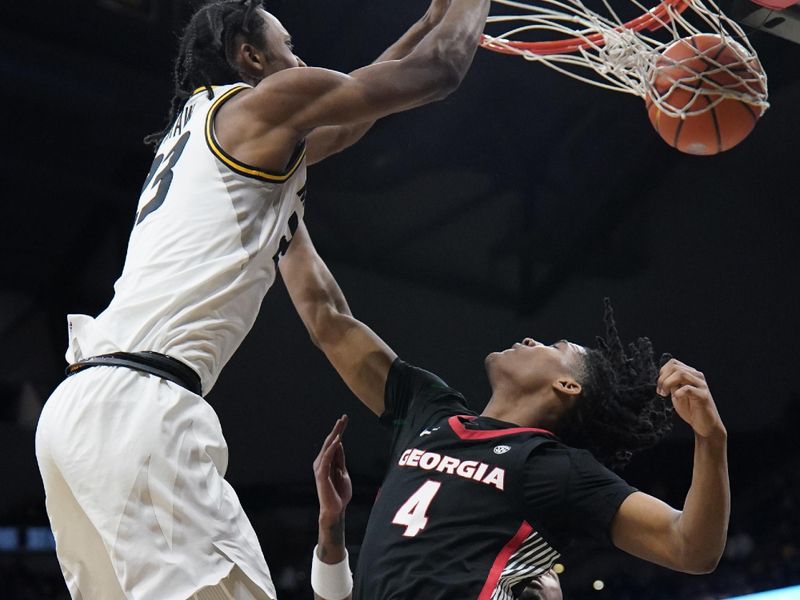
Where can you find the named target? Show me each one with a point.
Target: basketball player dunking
(131, 455)
(472, 506)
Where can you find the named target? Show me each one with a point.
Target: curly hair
(619, 412)
(206, 51)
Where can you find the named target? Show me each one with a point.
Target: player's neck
(524, 411)
(501, 413)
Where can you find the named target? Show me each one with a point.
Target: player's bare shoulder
(281, 97)
(254, 125)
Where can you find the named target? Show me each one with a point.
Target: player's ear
(251, 54)
(567, 386)
(249, 59)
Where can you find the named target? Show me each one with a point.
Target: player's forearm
(436, 65)
(703, 524)
(330, 541)
(340, 137)
(323, 309)
(454, 39)
(331, 550)
(415, 34)
(361, 358)
(314, 292)
(347, 135)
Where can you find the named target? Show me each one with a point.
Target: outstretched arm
(302, 99)
(691, 540)
(330, 571)
(361, 358)
(328, 140)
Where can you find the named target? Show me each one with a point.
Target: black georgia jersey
(453, 518)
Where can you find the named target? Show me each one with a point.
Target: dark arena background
(508, 210)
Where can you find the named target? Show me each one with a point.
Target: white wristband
(331, 582)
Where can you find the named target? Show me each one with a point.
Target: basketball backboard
(762, 15)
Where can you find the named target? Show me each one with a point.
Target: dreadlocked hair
(619, 412)
(205, 53)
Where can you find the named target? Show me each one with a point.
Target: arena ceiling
(510, 209)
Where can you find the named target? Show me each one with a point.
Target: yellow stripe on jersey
(238, 166)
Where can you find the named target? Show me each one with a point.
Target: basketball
(691, 81)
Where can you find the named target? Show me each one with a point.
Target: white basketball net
(609, 53)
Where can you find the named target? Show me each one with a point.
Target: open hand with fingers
(330, 570)
(691, 398)
(334, 488)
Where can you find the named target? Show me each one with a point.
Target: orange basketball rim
(651, 20)
(722, 83)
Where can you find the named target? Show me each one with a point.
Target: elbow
(324, 314)
(314, 339)
(700, 564)
(326, 328)
(709, 564)
(318, 325)
(435, 75)
(448, 80)
(699, 550)
(701, 567)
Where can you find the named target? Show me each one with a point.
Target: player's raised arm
(325, 141)
(303, 99)
(691, 540)
(361, 358)
(331, 578)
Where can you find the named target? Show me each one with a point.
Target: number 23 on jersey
(161, 175)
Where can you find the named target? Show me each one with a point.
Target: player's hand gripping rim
(334, 488)
(691, 398)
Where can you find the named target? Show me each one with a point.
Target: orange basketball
(698, 63)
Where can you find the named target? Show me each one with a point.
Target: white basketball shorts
(133, 469)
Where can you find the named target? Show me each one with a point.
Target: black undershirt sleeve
(414, 397)
(570, 497)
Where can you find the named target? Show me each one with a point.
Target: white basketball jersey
(208, 234)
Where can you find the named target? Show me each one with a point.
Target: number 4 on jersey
(413, 512)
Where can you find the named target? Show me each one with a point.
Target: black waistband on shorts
(153, 363)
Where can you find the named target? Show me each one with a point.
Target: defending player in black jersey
(472, 505)
(330, 572)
